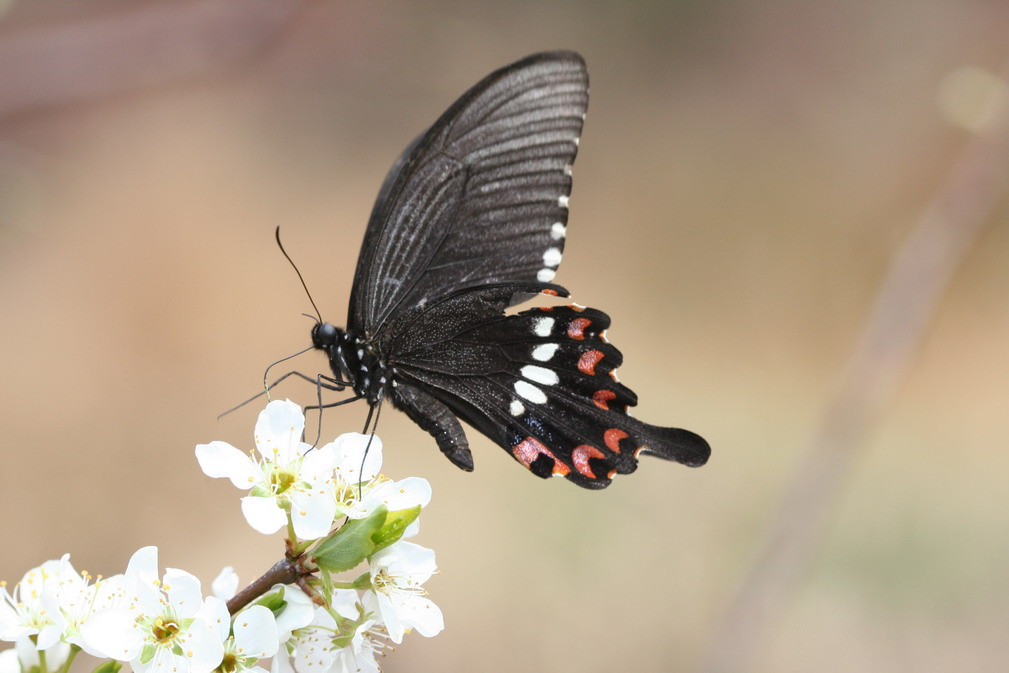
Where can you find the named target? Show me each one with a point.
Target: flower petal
(184, 592)
(220, 459)
(350, 448)
(278, 431)
(114, 633)
(225, 584)
(215, 613)
(312, 513)
(256, 632)
(263, 514)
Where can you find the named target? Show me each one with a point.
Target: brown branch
(283, 572)
(946, 231)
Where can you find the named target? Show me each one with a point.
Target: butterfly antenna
(300, 277)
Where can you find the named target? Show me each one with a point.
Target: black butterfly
(470, 220)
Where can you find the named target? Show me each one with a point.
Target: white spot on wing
(530, 392)
(544, 352)
(547, 377)
(545, 275)
(567, 170)
(558, 231)
(543, 326)
(562, 201)
(552, 257)
(517, 408)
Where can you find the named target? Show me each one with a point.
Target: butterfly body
(472, 219)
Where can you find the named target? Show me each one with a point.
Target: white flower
(359, 491)
(162, 628)
(287, 480)
(33, 608)
(369, 640)
(397, 575)
(254, 637)
(79, 601)
(52, 602)
(357, 472)
(345, 645)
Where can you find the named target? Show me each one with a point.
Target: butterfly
(470, 220)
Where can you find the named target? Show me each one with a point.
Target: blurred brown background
(747, 172)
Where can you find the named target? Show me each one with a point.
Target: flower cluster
(320, 624)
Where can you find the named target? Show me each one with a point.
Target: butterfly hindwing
(481, 197)
(542, 385)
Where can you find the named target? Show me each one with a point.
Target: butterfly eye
(325, 334)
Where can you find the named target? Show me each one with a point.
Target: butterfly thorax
(353, 360)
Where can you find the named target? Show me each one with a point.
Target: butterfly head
(326, 335)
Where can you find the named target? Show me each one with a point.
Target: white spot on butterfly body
(528, 391)
(562, 201)
(547, 377)
(517, 408)
(545, 275)
(544, 352)
(578, 139)
(567, 170)
(552, 257)
(543, 326)
(558, 231)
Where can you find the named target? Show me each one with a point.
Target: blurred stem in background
(907, 300)
(123, 49)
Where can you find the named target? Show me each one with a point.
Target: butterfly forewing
(481, 197)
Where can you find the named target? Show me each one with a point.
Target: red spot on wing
(546, 308)
(612, 439)
(549, 291)
(530, 448)
(578, 308)
(602, 398)
(580, 457)
(576, 330)
(588, 361)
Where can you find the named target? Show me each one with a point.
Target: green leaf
(351, 544)
(110, 666)
(394, 526)
(274, 601)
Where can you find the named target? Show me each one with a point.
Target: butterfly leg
(321, 381)
(438, 420)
